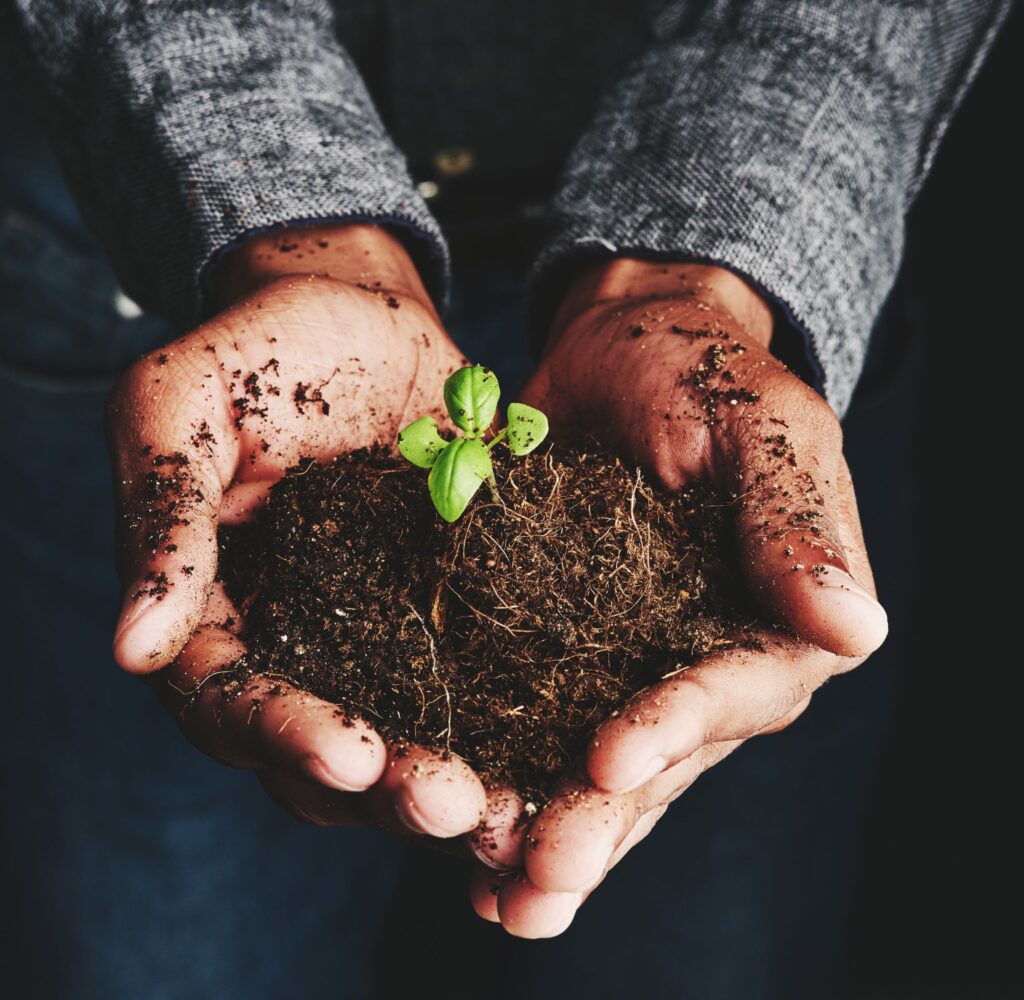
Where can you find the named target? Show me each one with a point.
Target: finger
(260, 721)
(532, 913)
(213, 652)
(572, 842)
(318, 805)
(263, 722)
(527, 911)
(799, 538)
(429, 792)
(484, 886)
(310, 801)
(732, 695)
(173, 451)
(644, 825)
(243, 500)
(787, 720)
(498, 840)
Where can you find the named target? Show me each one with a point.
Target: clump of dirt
(506, 638)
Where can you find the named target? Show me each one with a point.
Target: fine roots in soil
(505, 638)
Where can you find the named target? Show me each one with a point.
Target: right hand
(631, 362)
(342, 312)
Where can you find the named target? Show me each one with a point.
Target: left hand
(327, 342)
(638, 358)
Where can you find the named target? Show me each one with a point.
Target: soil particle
(248, 405)
(306, 394)
(712, 384)
(156, 585)
(203, 437)
(161, 498)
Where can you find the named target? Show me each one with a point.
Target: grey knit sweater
(784, 139)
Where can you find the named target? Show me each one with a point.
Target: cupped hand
(669, 365)
(327, 343)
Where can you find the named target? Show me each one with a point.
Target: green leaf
(471, 395)
(421, 443)
(527, 427)
(456, 476)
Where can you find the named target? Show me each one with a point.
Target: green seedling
(459, 467)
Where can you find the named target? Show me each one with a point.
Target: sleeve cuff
(768, 162)
(225, 122)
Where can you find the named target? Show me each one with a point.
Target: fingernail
(840, 579)
(133, 609)
(477, 850)
(411, 817)
(484, 856)
(837, 579)
(315, 767)
(654, 767)
(556, 913)
(134, 652)
(863, 614)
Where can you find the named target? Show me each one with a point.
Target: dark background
(934, 908)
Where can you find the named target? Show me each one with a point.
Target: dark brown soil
(506, 638)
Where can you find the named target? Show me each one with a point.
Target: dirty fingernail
(315, 767)
(410, 815)
(833, 577)
(133, 609)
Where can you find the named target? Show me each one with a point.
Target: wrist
(627, 280)
(358, 254)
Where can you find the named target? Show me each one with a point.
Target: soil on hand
(505, 638)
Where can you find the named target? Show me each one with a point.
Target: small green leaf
(527, 427)
(456, 476)
(421, 443)
(471, 395)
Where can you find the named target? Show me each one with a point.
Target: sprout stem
(494, 440)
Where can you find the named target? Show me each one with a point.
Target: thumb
(172, 451)
(799, 533)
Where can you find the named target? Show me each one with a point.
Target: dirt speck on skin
(712, 384)
(306, 394)
(506, 638)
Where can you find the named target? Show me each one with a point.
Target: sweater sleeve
(184, 126)
(783, 139)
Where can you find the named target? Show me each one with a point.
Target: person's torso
(487, 89)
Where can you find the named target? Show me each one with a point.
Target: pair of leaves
(421, 442)
(457, 468)
(471, 396)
